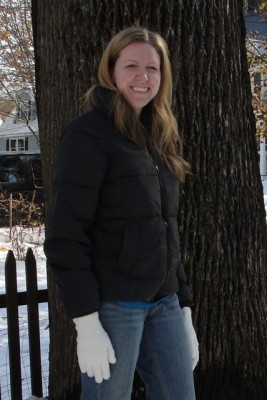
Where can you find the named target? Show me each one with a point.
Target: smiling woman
(150, 57)
(113, 241)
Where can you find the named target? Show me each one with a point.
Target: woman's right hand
(94, 348)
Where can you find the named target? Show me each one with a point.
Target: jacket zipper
(161, 204)
(160, 185)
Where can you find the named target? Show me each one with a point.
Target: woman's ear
(113, 80)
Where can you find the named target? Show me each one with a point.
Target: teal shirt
(138, 304)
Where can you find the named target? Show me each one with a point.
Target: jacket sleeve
(81, 167)
(184, 294)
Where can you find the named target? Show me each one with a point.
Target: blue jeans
(152, 341)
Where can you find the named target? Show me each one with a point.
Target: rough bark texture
(223, 229)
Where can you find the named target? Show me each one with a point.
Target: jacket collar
(103, 98)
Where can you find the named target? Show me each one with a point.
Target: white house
(19, 130)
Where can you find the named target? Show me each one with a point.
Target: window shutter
(26, 144)
(7, 145)
(257, 80)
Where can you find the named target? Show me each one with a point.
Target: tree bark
(222, 218)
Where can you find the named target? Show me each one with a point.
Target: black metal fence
(11, 300)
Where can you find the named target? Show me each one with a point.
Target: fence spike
(13, 326)
(33, 324)
(30, 256)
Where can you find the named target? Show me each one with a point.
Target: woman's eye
(130, 66)
(152, 68)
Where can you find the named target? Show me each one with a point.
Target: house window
(253, 4)
(24, 109)
(12, 170)
(18, 144)
(257, 84)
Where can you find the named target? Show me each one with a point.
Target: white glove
(191, 335)
(94, 347)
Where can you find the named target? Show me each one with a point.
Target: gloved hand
(94, 347)
(192, 337)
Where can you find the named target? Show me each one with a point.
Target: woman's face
(137, 74)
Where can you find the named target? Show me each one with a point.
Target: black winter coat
(113, 232)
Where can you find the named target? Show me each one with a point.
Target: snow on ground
(32, 238)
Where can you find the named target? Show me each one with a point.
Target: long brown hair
(164, 132)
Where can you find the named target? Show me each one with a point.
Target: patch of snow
(11, 127)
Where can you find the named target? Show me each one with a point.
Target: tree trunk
(223, 227)
(223, 218)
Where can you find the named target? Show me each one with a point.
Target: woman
(113, 241)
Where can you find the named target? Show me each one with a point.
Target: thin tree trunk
(223, 229)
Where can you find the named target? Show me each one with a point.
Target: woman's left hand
(191, 334)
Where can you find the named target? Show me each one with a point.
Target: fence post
(33, 324)
(10, 215)
(13, 326)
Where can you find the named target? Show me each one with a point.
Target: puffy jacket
(113, 232)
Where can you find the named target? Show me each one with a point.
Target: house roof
(256, 25)
(16, 128)
(257, 47)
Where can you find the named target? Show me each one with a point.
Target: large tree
(16, 58)
(222, 219)
(16, 47)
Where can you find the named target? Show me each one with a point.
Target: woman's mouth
(140, 89)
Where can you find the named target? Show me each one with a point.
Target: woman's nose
(142, 74)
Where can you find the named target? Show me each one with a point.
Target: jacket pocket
(144, 249)
(129, 246)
